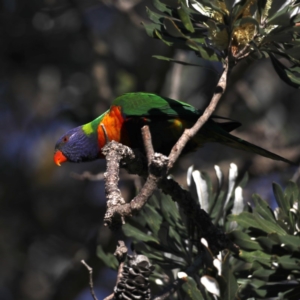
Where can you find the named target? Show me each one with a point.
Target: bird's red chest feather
(113, 122)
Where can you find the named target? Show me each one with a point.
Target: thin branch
(116, 205)
(135, 162)
(113, 194)
(91, 279)
(188, 134)
(120, 254)
(147, 139)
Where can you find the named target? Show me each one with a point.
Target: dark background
(61, 64)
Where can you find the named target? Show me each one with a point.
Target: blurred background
(61, 64)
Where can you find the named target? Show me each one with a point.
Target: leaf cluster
(218, 29)
(269, 243)
(164, 234)
(268, 264)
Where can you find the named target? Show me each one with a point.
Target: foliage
(270, 245)
(268, 261)
(219, 29)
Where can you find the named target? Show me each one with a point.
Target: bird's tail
(225, 138)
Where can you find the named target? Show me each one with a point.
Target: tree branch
(135, 162)
(188, 134)
(113, 194)
(116, 206)
(91, 279)
(158, 167)
(147, 139)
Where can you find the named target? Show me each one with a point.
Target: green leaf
(281, 17)
(263, 274)
(230, 290)
(150, 29)
(172, 28)
(203, 51)
(238, 8)
(243, 240)
(262, 208)
(138, 235)
(290, 242)
(217, 207)
(246, 20)
(266, 243)
(258, 256)
(174, 236)
(287, 262)
(155, 17)
(170, 212)
(256, 283)
(108, 258)
(159, 36)
(244, 180)
(183, 62)
(290, 75)
(153, 218)
(248, 220)
(191, 289)
(185, 18)
(283, 204)
(162, 7)
(154, 202)
(282, 35)
(151, 252)
(291, 192)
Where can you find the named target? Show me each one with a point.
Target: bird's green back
(146, 104)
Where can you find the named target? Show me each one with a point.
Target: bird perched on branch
(166, 118)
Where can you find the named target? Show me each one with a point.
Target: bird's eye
(65, 139)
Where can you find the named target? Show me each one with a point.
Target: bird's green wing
(146, 104)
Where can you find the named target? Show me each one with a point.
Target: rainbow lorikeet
(166, 119)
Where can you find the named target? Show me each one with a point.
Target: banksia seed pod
(134, 283)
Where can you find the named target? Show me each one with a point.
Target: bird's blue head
(76, 146)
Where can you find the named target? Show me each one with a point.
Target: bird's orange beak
(59, 158)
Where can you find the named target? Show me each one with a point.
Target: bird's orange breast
(113, 125)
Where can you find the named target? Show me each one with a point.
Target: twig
(116, 206)
(115, 203)
(147, 139)
(91, 279)
(113, 194)
(188, 134)
(135, 162)
(120, 254)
